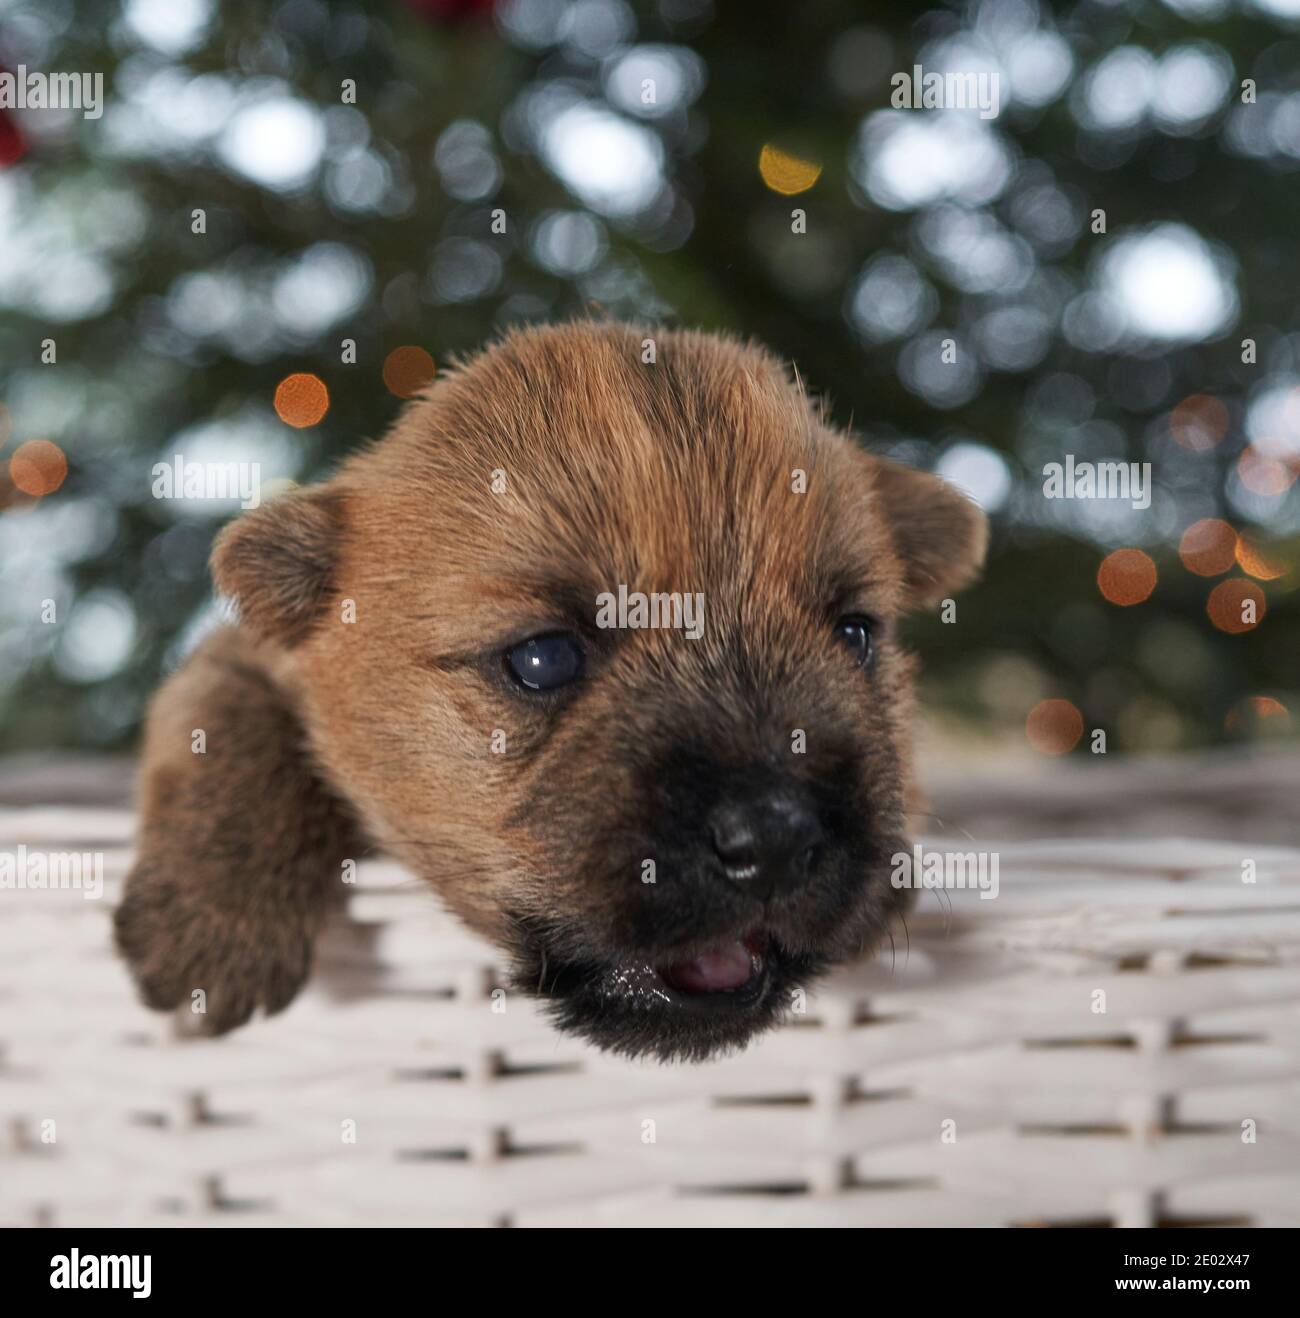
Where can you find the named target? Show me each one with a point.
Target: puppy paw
(185, 950)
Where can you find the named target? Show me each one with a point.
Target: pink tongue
(724, 967)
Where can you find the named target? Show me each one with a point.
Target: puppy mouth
(690, 1004)
(729, 973)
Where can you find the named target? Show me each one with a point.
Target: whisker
(943, 824)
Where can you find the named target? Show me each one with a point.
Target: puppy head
(600, 640)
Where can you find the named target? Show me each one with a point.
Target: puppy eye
(853, 631)
(543, 663)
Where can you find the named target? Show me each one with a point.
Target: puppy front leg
(240, 843)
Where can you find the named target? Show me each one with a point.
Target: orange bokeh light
(38, 467)
(1228, 605)
(1261, 474)
(1054, 727)
(1256, 564)
(1126, 577)
(407, 370)
(301, 400)
(1199, 422)
(1208, 547)
(1255, 711)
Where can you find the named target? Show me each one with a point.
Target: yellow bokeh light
(1254, 562)
(785, 173)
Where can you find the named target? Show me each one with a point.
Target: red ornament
(13, 145)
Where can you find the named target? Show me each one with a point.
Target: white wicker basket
(967, 1078)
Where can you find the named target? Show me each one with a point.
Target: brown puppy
(666, 827)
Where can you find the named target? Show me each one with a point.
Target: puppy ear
(278, 562)
(940, 534)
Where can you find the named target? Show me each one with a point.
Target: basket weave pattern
(964, 1077)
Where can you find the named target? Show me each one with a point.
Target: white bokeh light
(1179, 91)
(568, 242)
(324, 284)
(652, 81)
(168, 110)
(1273, 419)
(172, 26)
(937, 367)
(276, 142)
(98, 637)
(1198, 8)
(250, 435)
(1118, 88)
(1039, 65)
(1191, 83)
(905, 160)
(1279, 8)
(973, 251)
(206, 303)
(1168, 284)
(890, 299)
(978, 470)
(614, 166)
(466, 161)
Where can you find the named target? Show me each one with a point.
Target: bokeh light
(38, 467)
(1208, 547)
(407, 370)
(1258, 716)
(977, 297)
(98, 637)
(1236, 605)
(1273, 414)
(612, 164)
(1168, 284)
(1257, 563)
(1054, 727)
(980, 471)
(169, 26)
(786, 173)
(1263, 475)
(1126, 577)
(1199, 422)
(276, 141)
(906, 161)
(301, 400)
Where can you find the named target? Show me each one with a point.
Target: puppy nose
(767, 841)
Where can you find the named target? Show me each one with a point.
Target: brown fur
(671, 476)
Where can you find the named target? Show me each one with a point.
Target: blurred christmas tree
(285, 207)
